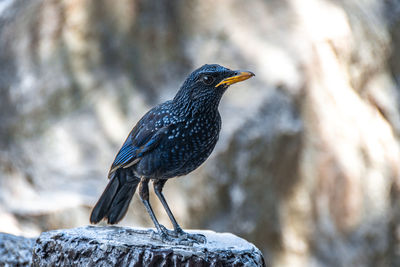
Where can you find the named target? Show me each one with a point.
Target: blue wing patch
(129, 153)
(125, 154)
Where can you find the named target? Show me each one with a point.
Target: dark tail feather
(113, 203)
(102, 206)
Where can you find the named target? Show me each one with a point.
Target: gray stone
(15, 250)
(118, 246)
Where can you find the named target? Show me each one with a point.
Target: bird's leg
(158, 186)
(162, 231)
(178, 232)
(144, 196)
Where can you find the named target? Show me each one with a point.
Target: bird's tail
(113, 203)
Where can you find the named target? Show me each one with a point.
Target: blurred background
(307, 166)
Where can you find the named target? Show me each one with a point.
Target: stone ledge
(120, 246)
(15, 250)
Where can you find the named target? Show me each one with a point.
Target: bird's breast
(186, 146)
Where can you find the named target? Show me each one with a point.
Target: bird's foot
(178, 237)
(165, 237)
(197, 238)
(167, 231)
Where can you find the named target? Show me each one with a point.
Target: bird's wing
(143, 138)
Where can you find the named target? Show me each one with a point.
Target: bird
(170, 140)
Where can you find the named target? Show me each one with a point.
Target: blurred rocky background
(308, 163)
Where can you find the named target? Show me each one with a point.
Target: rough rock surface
(15, 250)
(115, 246)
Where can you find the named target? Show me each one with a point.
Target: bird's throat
(198, 104)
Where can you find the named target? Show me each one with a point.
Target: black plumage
(170, 140)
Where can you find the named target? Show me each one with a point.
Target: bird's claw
(197, 238)
(171, 240)
(167, 231)
(178, 237)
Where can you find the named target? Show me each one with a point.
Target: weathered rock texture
(307, 166)
(114, 246)
(15, 250)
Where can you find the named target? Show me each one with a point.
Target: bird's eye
(207, 79)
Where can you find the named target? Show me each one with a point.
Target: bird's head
(206, 85)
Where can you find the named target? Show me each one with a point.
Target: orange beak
(240, 76)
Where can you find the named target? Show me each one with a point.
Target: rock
(117, 246)
(15, 250)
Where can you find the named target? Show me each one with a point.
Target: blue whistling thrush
(170, 140)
